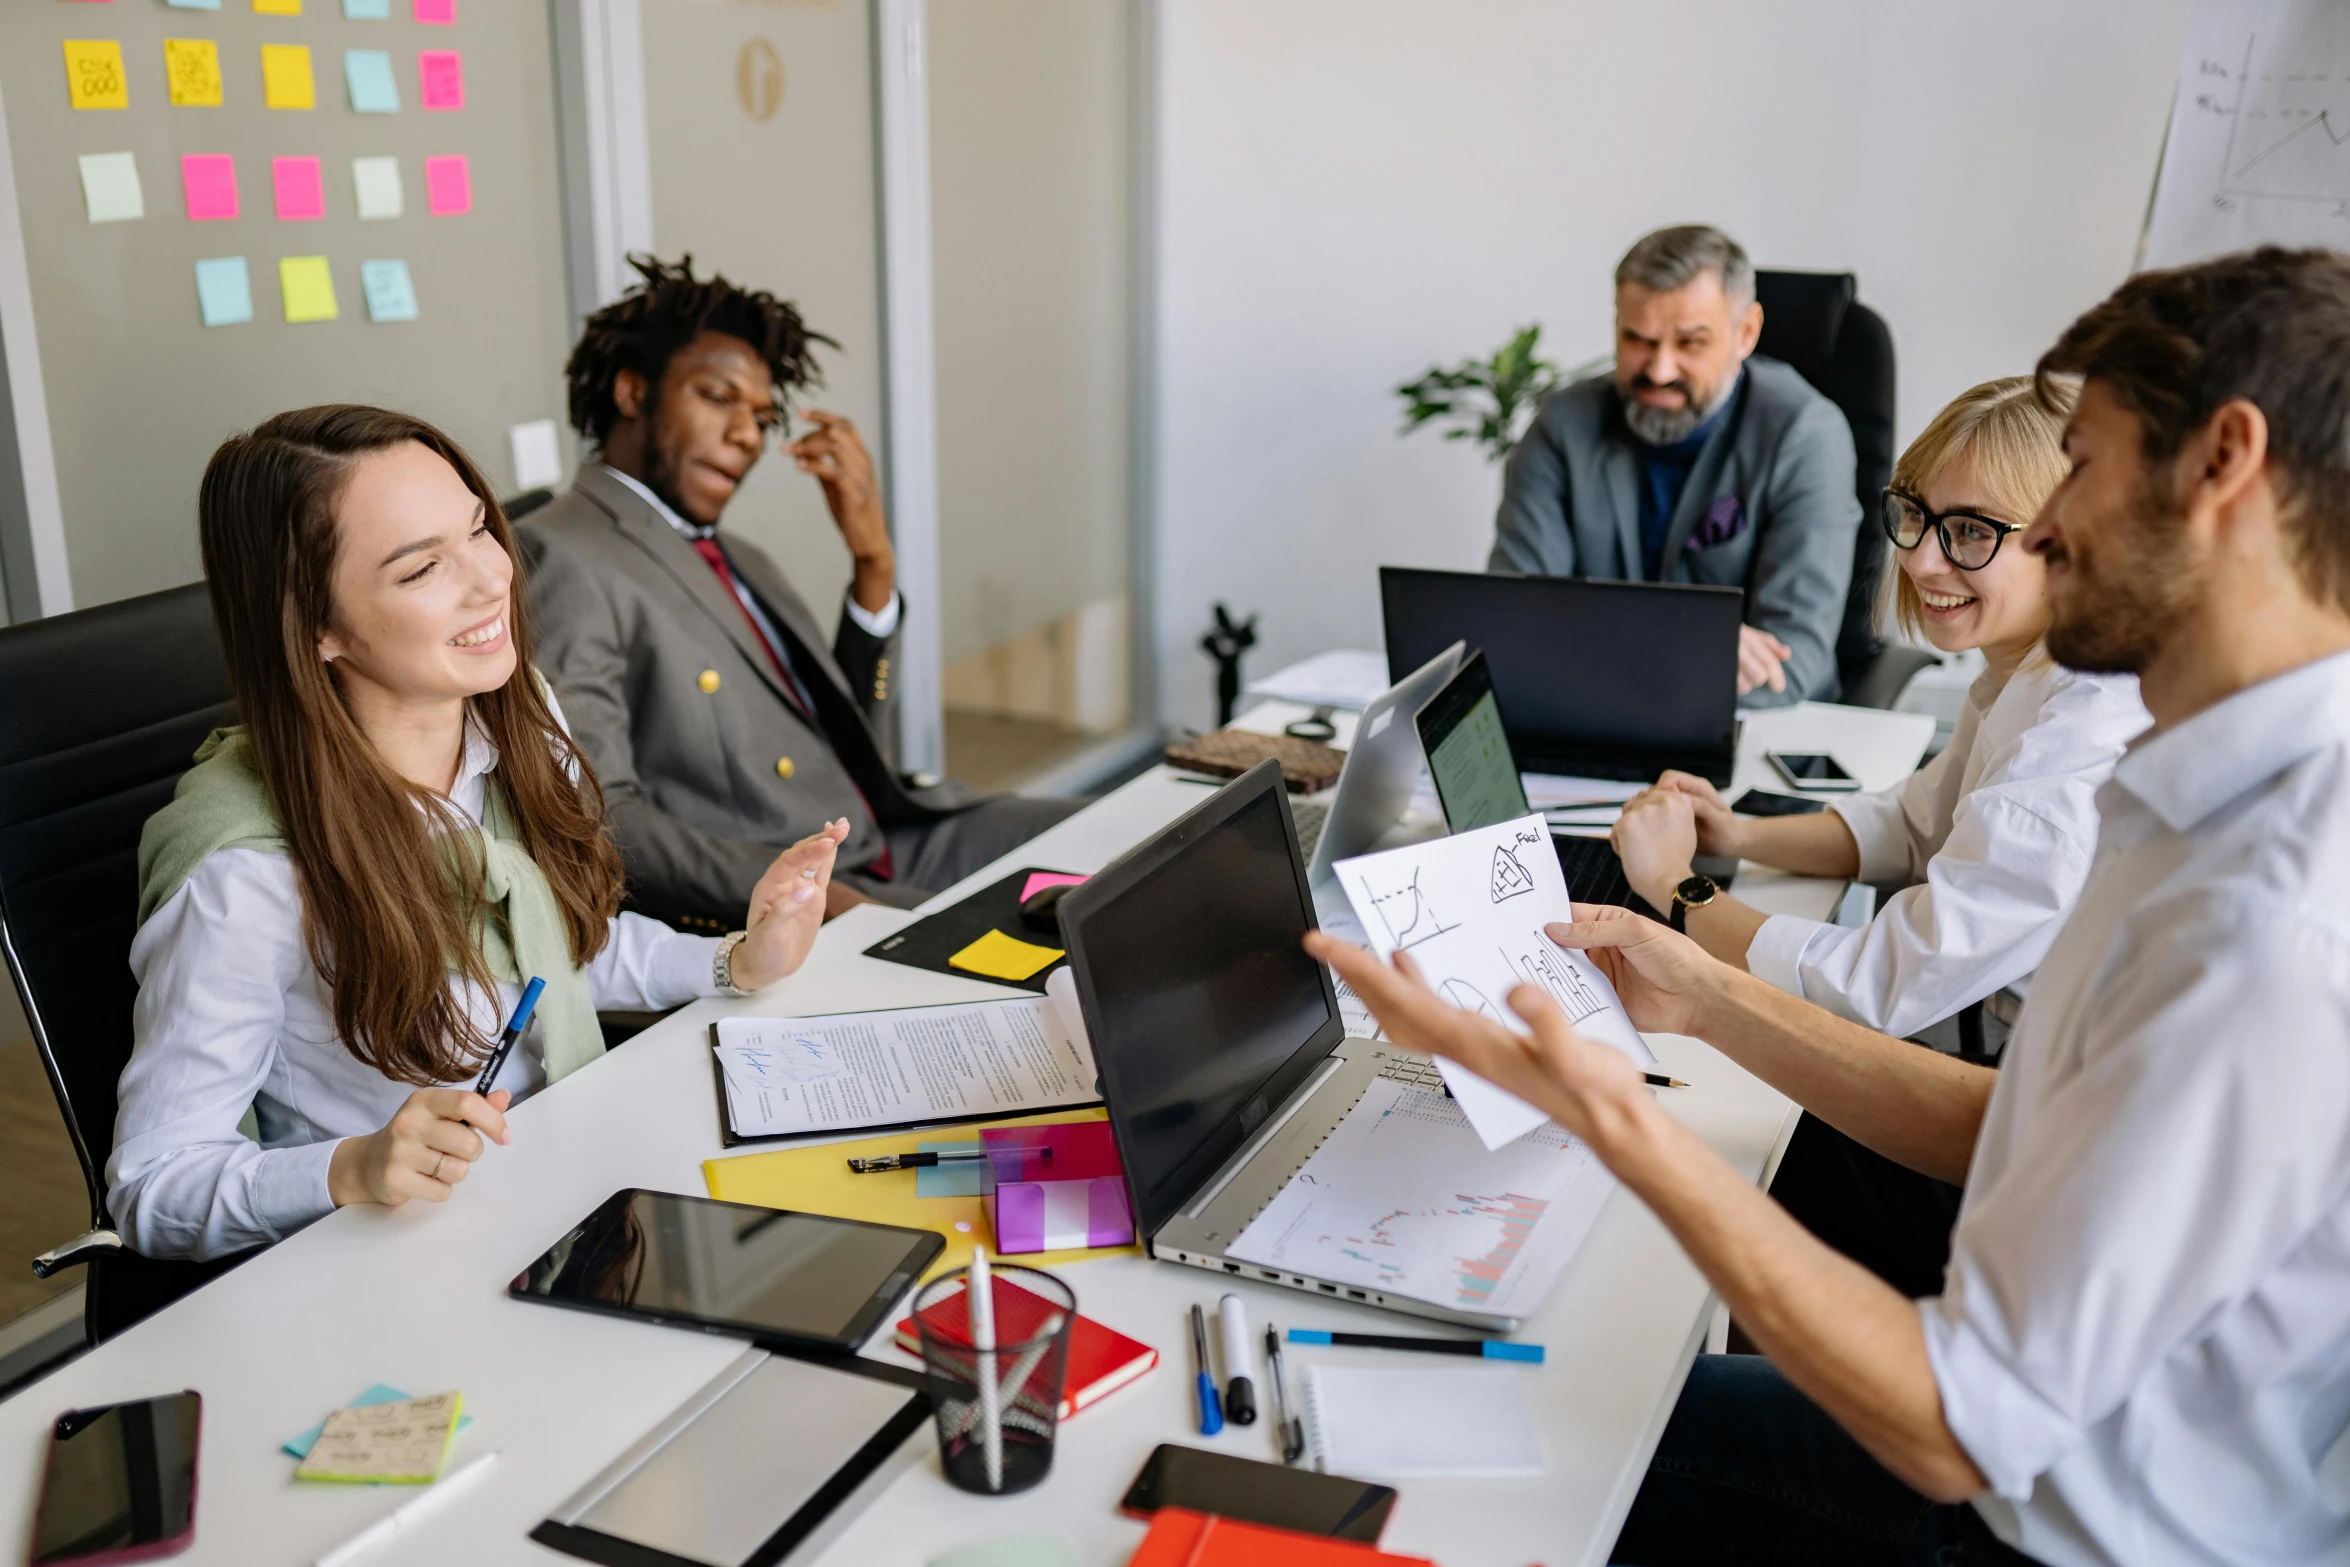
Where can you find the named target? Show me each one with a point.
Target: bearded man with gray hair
(1698, 462)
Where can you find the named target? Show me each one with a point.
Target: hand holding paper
(1470, 911)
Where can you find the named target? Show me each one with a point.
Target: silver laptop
(1375, 786)
(1223, 1058)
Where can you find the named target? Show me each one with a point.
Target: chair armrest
(76, 1251)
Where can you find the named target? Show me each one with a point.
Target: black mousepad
(931, 940)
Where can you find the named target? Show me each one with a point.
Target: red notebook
(1101, 1360)
(1181, 1538)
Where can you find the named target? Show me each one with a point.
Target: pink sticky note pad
(439, 13)
(440, 74)
(301, 192)
(209, 180)
(448, 186)
(1039, 880)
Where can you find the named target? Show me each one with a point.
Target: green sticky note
(391, 295)
(367, 73)
(1020, 1550)
(375, 182)
(110, 187)
(960, 1179)
(308, 285)
(224, 291)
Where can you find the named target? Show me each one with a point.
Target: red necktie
(881, 865)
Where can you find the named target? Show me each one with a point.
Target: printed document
(791, 1075)
(1471, 909)
(1402, 1199)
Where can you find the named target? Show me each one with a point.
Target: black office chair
(104, 710)
(517, 507)
(1815, 322)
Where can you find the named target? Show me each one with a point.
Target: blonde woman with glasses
(1990, 841)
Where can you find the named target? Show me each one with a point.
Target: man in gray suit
(698, 683)
(1696, 462)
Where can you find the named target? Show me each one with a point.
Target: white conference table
(415, 1298)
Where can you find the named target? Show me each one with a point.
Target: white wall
(1351, 190)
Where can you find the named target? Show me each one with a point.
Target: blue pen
(1490, 1348)
(514, 1027)
(1211, 1413)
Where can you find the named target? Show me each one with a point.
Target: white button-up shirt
(2144, 1339)
(231, 1014)
(1994, 836)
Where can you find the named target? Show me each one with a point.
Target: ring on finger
(434, 1173)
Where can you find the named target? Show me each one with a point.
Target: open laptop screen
(1469, 753)
(1203, 1007)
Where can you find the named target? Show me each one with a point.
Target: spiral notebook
(1415, 1424)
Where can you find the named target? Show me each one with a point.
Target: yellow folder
(818, 1180)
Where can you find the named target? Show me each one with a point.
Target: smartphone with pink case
(120, 1485)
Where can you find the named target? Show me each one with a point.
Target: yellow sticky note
(309, 287)
(277, 7)
(193, 65)
(285, 77)
(999, 956)
(401, 1443)
(93, 74)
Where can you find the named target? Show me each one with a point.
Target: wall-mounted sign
(758, 79)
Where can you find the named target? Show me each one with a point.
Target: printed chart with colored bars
(1383, 1205)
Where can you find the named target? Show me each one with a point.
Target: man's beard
(661, 466)
(2115, 615)
(1664, 426)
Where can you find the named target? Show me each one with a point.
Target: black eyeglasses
(1969, 539)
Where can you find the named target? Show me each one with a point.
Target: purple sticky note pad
(1072, 1200)
(440, 76)
(448, 186)
(301, 192)
(437, 13)
(1039, 880)
(209, 180)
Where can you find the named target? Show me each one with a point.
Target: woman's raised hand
(427, 1147)
(1720, 830)
(787, 907)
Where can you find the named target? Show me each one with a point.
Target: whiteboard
(2259, 144)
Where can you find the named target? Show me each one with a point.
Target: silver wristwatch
(722, 963)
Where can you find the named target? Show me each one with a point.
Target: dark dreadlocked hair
(645, 327)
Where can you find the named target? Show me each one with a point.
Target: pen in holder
(1001, 1444)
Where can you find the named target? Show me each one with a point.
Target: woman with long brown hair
(343, 900)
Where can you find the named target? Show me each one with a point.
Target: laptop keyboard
(1594, 874)
(1311, 817)
(1414, 1072)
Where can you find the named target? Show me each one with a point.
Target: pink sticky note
(440, 13)
(440, 75)
(448, 186)
(301, 193)
(1039, 880)
(209, 180)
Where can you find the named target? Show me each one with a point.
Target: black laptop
(1595, 679)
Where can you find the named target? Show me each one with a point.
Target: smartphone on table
(1252, 1492)
(1814, 772)
(120, 1484)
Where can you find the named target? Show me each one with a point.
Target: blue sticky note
(948, 1180)
(391, 295)
(224, 291)
(368, 75)
(300, 1446)
(197, 5)
(367, 10)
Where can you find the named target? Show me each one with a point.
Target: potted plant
(1489, 401)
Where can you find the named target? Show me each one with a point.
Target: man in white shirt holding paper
(2141, 1353)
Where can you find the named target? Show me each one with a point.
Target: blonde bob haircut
(2013, 435)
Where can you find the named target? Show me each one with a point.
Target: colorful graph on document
(1475, 1274)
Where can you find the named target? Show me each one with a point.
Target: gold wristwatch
(1695, 893)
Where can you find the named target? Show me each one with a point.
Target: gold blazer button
(708, 681)
(783, 767)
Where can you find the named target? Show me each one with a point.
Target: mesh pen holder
(1028, 1366)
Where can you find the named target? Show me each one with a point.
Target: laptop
(1223, 1059)
(1598, 679)
(1375, 786)
(1476, 775)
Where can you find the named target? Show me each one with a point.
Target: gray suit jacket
(1777, 478)
(708, 767)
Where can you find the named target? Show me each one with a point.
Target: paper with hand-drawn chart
(1470, 909)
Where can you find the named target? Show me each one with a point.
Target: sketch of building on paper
(1510, 878)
